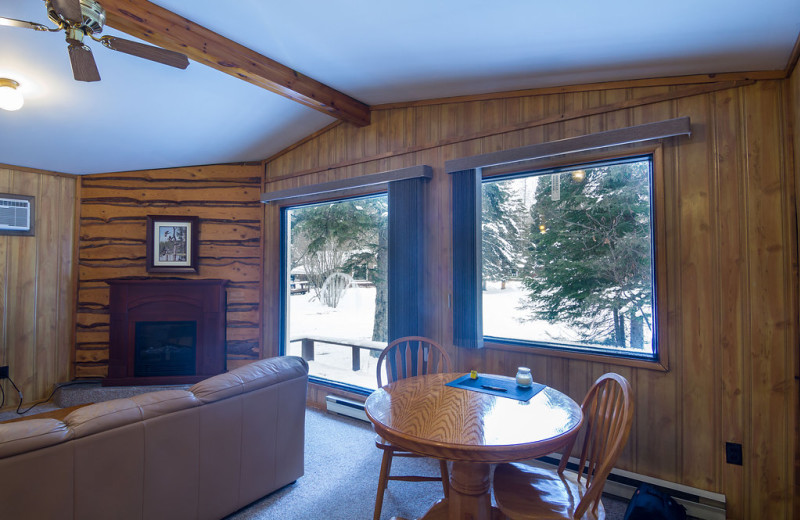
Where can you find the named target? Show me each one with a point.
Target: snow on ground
(353, 319)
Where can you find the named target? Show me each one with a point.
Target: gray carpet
(341, 477)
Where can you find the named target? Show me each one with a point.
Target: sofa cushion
(24, 436)
(249, 377)
(153, 404)
(103, 416)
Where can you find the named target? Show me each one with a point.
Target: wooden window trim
(608, 359)
(572, 145)
(338, 188)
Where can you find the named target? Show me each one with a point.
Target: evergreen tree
(344, 236)
(502, 215)
(590, 262)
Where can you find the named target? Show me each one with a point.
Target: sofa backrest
(162, 455)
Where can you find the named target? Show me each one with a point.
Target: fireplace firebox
(166, 331)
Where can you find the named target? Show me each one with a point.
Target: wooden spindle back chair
(408, 357)
(412, 356)
(607, 419)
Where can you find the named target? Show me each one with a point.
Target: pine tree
(590, 260)
(502, 214)
(344, 236)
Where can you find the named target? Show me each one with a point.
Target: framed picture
(172, 244)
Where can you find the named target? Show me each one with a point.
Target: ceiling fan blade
(10, 22)
(148, 52)
(69, 9)
(84, 67)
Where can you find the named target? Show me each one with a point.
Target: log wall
(729, 280)
(112, 244)
(37, 285)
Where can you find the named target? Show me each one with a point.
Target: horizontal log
(237, 324)
(90, 370)
(242, 307)
(242, 347)
(96, 327)
(90, 336)
(208, 248)
(240, 194)
(197, 173)
(92, 320)
(93, 346)
(105, 213)
(213, 231)
(91, 355)
(151, 183)
(165, 202)
(234, 271)
(242, 335)
(142, 219)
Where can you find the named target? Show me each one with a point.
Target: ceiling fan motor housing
(94, 16)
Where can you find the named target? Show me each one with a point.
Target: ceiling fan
(79, 18)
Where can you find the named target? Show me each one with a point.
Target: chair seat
(525, 492)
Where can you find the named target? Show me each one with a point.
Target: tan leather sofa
(172, 454)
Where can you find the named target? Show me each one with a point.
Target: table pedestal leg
(469, 491)
(470, 496)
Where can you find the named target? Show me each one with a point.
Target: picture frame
(172, 243)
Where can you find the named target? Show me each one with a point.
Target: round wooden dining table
(473, 430)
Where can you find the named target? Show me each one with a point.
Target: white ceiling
(144, 115)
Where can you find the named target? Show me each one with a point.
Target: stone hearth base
(93, 392)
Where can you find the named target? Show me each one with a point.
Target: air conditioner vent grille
(15, 214)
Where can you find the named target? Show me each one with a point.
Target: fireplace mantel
(182, 305)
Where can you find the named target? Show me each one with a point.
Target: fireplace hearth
(166, 331)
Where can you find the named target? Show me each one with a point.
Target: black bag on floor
(648, 503)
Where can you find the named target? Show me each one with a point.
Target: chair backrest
(607, 415)
(412, 356)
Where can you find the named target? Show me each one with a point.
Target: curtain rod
(412, 172)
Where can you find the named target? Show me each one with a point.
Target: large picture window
(336, 287)
(568, 260)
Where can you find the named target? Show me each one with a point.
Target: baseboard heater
(699, 503)
(348, 407)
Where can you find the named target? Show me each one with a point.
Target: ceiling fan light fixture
(10, 98)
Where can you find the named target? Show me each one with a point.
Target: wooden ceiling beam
(156, 25)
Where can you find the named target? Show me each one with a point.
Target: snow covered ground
(353, 319)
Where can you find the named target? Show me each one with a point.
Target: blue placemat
(498, 386)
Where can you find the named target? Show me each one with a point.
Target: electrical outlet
(733, 453)
(4, 372)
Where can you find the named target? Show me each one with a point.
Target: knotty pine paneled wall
(729, 286)
(113, 211)
(37, 283)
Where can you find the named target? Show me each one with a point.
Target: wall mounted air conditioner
(16, 214)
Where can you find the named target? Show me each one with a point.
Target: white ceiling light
(10, 97)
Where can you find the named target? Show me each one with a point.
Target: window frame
(283, 329)
(660, 359)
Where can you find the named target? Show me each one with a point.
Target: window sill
(608, 359)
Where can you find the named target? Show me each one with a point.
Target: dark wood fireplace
(166, 331)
